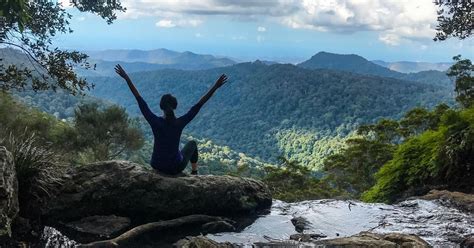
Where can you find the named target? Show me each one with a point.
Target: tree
(30, 27)
(455, 19)
(107, 133)
(463, 71)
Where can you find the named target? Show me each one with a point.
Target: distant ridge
(357, 64)
(347, 62)
(410, 67)
(167, 58)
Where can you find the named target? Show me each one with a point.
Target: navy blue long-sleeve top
(167, 134)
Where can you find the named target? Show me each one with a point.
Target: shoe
(194, 172)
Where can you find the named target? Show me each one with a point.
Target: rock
(126, 189)
(300, 224)
(96, 227)
(159, 234)
(8, 193)
(468, 242)
(201, 242)
(217, 226)
(367, 239)
(306, 237)
(462, 201)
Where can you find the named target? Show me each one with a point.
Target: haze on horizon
(281, 30)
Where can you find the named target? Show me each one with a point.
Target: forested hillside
(357, 64)
(265, 109)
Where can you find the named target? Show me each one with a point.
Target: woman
(167, 130)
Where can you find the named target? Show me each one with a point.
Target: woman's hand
(121, 72)
(221, 81)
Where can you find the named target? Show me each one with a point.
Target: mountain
(347, 62)
(269, 110)
(357, 64)
(412, 67)
(164, 57)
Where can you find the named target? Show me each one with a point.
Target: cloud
(395, 21)
(261, 29)
(247, 8)
(165, 24)
(169, 23)
(198, 35)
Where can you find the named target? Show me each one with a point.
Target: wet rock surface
(458, 200)
(8, 194)
(367, 239)
(437, 224)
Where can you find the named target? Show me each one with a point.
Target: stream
(439, 225)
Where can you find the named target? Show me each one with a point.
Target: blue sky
(282, 30)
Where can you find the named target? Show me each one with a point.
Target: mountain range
(300, 111)
(140, 60)
(409, 66)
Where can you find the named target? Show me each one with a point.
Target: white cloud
(165, 24)
(395, 21)
(261, 29)
(390, 39)
(198, 35)
(169, 23)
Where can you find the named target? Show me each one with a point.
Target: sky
(280, 30)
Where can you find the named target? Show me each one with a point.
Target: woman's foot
(194, 172)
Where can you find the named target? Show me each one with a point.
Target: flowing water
(439, 225)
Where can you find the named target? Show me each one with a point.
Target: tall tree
(30, 26)
(463, 71)
(106, 133)
(455, 19)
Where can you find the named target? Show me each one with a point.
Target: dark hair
(168, 104)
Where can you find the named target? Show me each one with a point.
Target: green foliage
(455, 19)
(353, 169)
(30, 26)
(105, 134)
(38, 169)
(441, 157)
(293, 182)
(463, 71)
(412, 165)
(16, 118)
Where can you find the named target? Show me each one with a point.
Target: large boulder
(8, 193)
(361, 240)
(368, 239)
(126, 189)
(459, 200)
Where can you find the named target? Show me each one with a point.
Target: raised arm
(195, 109)
(121, 72)
(141, 103)
(221, 81)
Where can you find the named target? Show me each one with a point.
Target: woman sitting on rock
(167, 157)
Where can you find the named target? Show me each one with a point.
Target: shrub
(38, 169)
